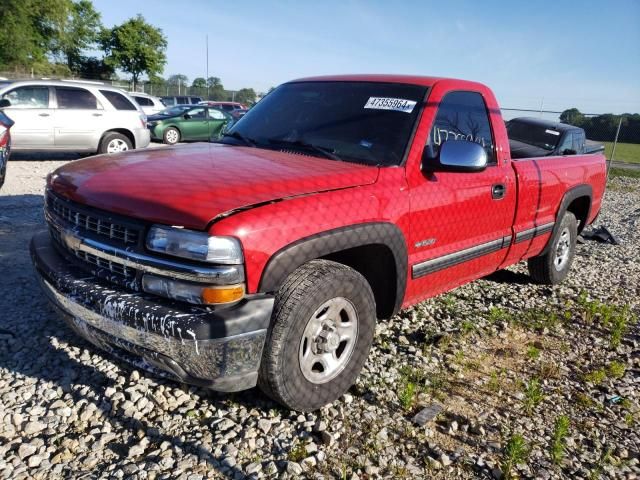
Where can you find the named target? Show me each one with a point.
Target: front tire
(553, 267)
(114, 142)
(322, 328)
(171, 136)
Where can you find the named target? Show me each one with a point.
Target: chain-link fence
(620, 134)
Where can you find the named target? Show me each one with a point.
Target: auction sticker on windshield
(397, 104)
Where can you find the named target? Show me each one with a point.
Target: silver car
(73, 116)
(150, 105)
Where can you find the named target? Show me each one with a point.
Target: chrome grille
(116, 268)
(126, 273)
(92, 223)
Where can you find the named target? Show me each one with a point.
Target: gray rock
(293, 468)
(25, 450)
(427, 414)
(34, 427)
(264, 425)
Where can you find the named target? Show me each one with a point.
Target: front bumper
(216, 348)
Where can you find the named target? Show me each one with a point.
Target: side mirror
(569, 151)
(456, 156)
(187, 116)
(4, 103)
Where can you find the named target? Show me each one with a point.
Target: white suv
(73, 116)
(149, 104)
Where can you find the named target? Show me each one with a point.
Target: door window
(461, 116)
(28, 97)
(566, 144)
(216, 114)
(197, 114)
(76, 98)
(143, 101)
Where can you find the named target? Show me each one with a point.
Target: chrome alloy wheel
(563, 250)
(117, 145)
(172, 136)
(328, 340)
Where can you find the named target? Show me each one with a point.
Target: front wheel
(553, 267)
(323, 325)
(171, 136)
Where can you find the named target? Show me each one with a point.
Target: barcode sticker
(397, 104)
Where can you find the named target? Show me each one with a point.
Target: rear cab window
(119, 101)
(462, 116)
(28, 97)
(76, 99)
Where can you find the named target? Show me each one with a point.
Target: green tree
(29, 30)
(199, 82)
(246, 95)
(572, 116)
(214, 82)
(81, 31)
(135, 47)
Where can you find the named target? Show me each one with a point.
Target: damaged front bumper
(217, 348)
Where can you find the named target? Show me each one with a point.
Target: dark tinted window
(143, 101)
(28, 97)
(76, 98)
(461, 116)
(195, 99)
(182, 99)
(533, 134)
(168, 101)
(119, 101)
(365, 122)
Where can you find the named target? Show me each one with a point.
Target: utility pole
(207, 76)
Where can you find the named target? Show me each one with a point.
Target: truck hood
(191, 185)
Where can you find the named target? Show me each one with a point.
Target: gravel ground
(529, 381)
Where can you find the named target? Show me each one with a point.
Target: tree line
(603, 127)
(53, 38)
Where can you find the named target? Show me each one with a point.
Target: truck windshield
(363, 122)
(536, 135)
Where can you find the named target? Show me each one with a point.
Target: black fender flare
(569, 196)
(286, 260)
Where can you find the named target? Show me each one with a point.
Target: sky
(545, 54)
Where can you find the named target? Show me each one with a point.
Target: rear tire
(171, 136)
(114, 142)
(322, 328)
(553, 267)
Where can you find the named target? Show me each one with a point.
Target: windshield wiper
(239, 136)
(325, 152)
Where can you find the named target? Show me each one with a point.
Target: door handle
(498, 190)
(97, 114)
(43, 114)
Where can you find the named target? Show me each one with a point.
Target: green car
(188, 122)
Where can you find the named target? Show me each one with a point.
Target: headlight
(194, 245)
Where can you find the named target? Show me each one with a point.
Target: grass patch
(616, 369)
(559, 439)
(585, 400)
(298, 452)
(613, 318)
(407, 394)
(596, 376)
(625, 152)
(516, 451)
(533, 395)
(533, 352)
(624, 172)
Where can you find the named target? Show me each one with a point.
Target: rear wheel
(323, 326)
(553, 267)
(171, 136)
(114, 142)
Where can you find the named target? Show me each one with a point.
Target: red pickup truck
(266, 257)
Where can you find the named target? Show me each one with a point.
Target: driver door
(195, 125)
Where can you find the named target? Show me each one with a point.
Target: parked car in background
(73, 116)
(180, 100)
(535, 137)
(226, 106)
(149, 104)
(188, 123)
(5, 144)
